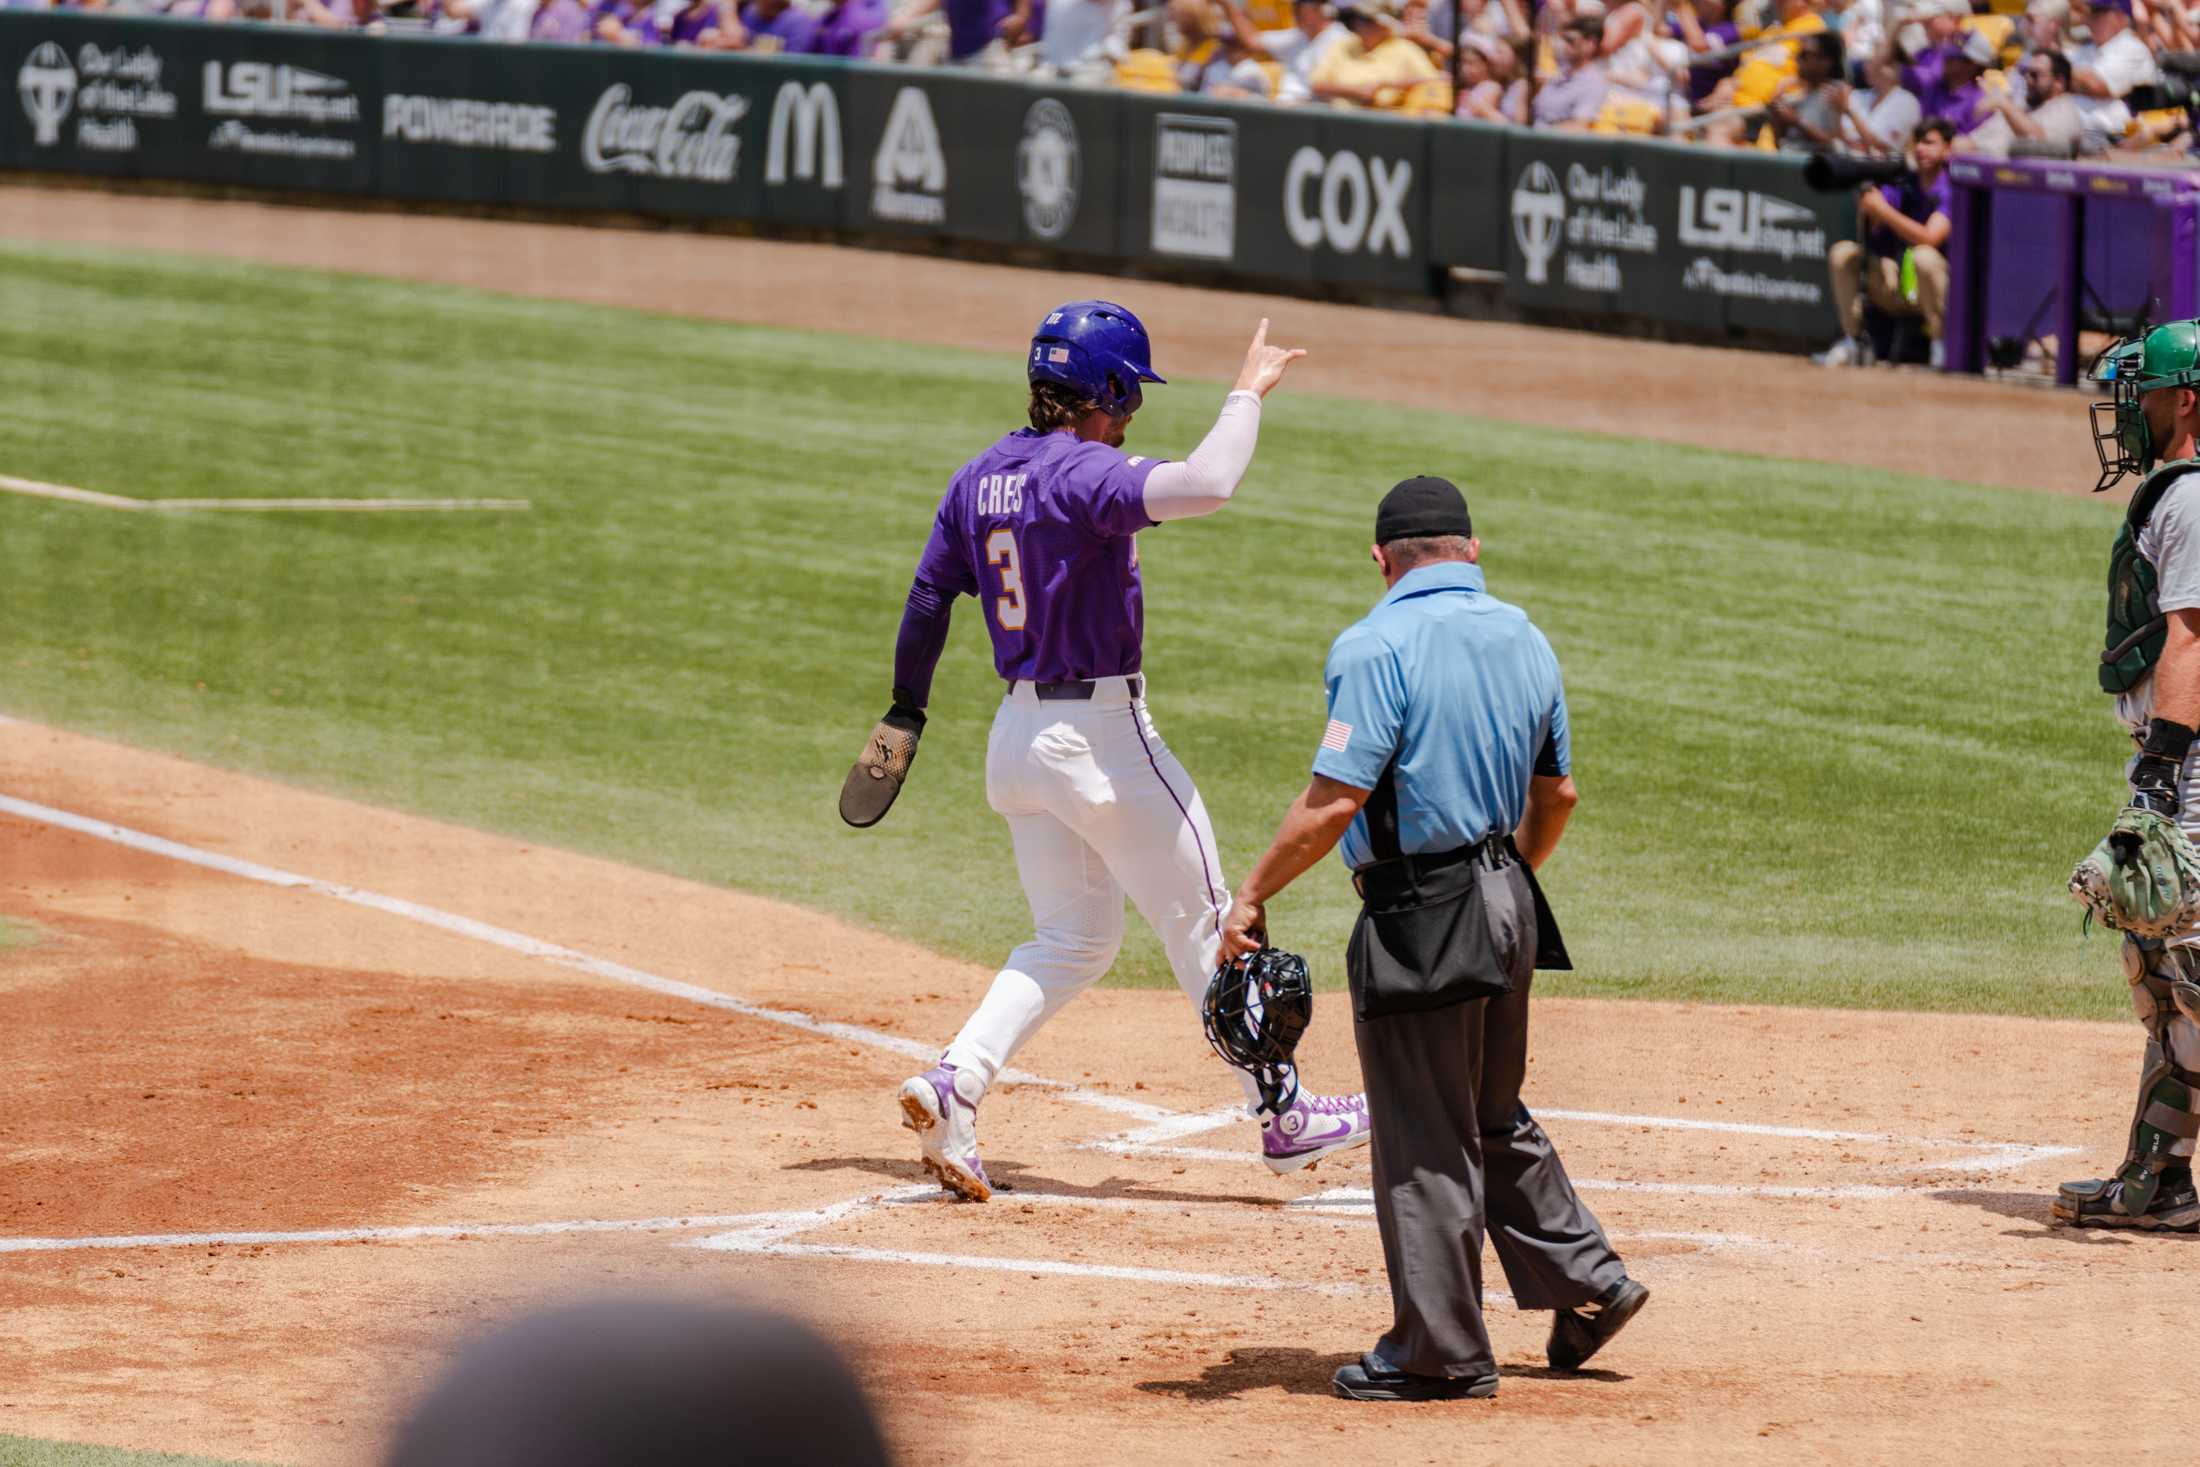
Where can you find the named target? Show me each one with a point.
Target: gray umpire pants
(1456, 1155)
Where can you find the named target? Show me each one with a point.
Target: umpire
(1444, 772)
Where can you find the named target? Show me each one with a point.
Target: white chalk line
(777, 1239)
(384, 1234)
(1994, 1154)
(1149, 1138)
(757, 1224)
(1361, 1200)
(1160, 1123)
(780, 1239)
(1122, 1273)
(750, 1231)
(1355, 1205)
(1855, 1190)
(565, 957)
(776, 1233)
(1988, 1155)
(36, 490)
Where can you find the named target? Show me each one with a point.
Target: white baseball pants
(1098, 808)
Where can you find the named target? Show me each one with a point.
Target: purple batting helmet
(1096, 348)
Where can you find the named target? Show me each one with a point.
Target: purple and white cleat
(1312, 1127)
(935, 1106)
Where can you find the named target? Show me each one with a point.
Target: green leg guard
(2185, 994)
(2153, 1188)
(2161, 1138)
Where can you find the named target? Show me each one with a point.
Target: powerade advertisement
(1703, 238)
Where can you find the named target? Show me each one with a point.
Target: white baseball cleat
(946, 1122)
(1849, 351)
(1312, 1127)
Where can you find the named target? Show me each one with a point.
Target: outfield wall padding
(1715, 241)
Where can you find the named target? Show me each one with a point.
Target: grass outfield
(23, 1451)
(16, 934)
(1836, 731)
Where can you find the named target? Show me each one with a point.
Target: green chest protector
(2136, 626)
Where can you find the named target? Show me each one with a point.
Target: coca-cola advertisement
(695, 138)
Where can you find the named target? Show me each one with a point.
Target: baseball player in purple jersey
(1041, 529)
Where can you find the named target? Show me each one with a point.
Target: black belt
(1074, 692)
(1395, 877)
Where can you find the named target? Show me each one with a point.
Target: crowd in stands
(1814, 75)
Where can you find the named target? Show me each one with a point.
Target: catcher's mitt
(875, 779)
(2143, 878)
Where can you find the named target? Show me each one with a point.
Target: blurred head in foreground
(643, 1381)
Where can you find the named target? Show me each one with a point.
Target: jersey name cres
(1000, 493)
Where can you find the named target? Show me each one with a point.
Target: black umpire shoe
(1372, 1380)
(1578, 1333)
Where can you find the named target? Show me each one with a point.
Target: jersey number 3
(1008, 607)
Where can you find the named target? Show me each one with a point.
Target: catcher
(2144, 879)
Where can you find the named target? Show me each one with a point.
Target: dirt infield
(1841, 1215)
(299, 1092)
(1750, 402)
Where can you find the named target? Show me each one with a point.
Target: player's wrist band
(2167, 740)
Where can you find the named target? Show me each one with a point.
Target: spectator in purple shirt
(645, 30)
(776, 26)
(618, 21)
(1574, 97)
(1707, 25)
(697, 23)
(1957, 95)
(1943, 27)
(559, 20)
(335, 15)
(847, 28)
(973, 26)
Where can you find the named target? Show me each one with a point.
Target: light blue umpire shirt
(1463, 690)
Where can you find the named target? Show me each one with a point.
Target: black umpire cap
(1422, 506)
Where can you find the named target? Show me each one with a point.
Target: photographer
(1905, 218)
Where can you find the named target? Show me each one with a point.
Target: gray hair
(1421, 550)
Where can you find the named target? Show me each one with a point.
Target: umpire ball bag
(1256, 1009)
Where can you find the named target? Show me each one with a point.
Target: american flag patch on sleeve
(1337, 735)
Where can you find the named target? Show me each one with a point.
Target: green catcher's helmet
(2167, 356)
